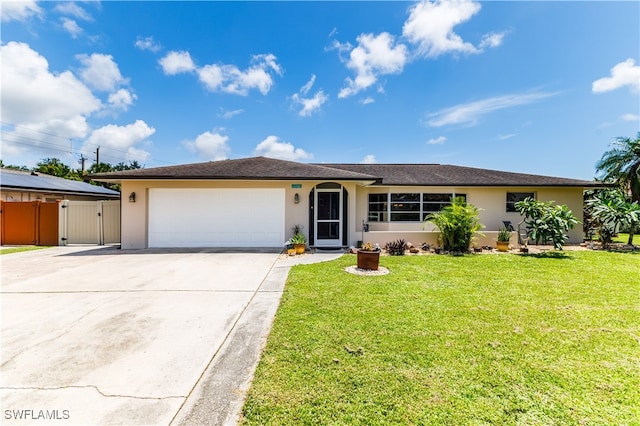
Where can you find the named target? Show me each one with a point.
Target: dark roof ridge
(241, 168)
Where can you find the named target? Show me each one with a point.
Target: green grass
(9, 250)
(623, 238)
(484, 339)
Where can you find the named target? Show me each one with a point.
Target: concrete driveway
(108, 336)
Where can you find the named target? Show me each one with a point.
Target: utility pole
(98, 155)
(81, 161)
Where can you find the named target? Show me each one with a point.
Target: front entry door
(328, 217)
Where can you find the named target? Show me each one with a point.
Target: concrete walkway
(220, 393)
(106, 336)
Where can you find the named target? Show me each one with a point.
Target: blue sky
(533, 87)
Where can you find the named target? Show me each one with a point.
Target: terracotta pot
(368, 259)
(502, 245)
(300, 248)
(291, 251)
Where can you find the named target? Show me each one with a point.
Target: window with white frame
(514, 197)
(378, 207)
(407, 206)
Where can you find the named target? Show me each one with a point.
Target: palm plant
(612, 209)
(458, 223)
(621, 164)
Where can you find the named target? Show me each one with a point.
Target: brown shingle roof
(447, 175)
(243, 168)
(382, 174)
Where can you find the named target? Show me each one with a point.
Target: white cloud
(369, 159)
(71, 8)
(33, 94)
(122, 99)
(304, 90)
(469, 113)
(71, 26)
(505, 137)
(437, 141)
(267, 61)
(622, 74)
(100, 72)
(147, 43)
(19, 10)
(272, 147)
(121, 143)
(430, 26)
(312, 104)
(230, 79)
(630, 117)
(374, 56)
(368, 100)
(177, 62)
(492, 40)
(210, 146)
(340, 47)
(230, 114)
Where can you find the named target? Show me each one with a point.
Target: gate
(29, 223)
(59, 222)
(90, 222)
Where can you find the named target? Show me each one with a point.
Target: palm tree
(621, 164)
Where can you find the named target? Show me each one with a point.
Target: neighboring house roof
(15, 180)
(377, 174)
(447, 175)
(240, 169)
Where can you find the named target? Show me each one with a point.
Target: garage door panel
(216, 217)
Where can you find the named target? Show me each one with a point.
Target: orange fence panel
(19, 223)
(48, 224)
(29, 223)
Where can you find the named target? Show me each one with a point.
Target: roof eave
(119, 179)
(59, 191)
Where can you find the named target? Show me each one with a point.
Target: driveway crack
(94, 387)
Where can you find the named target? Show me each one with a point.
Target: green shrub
(396, 248)
(457, 224)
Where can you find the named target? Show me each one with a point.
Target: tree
(546, 221)
(106, 167)
(613, 210)
(14, 167)
(621, 164)
(55, 167)
(458, 224)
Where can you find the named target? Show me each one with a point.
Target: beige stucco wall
(135, 215)
(491, 201)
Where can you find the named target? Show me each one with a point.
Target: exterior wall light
(132, 197)
(296, 198)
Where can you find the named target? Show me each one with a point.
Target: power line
(66, 151)
(34, 130)
(70, 150)
(33, 139)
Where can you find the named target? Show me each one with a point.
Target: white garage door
(180, 217)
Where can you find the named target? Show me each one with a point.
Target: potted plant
(504, 236)
(368, 257)
(291, 251)
(299, 242)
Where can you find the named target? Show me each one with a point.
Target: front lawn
(624, 238)
(479, 339)
(9, 250)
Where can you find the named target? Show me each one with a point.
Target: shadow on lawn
(560, 255)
